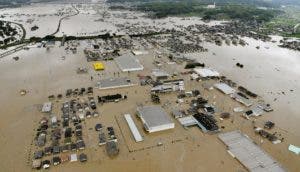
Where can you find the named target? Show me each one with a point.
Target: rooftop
(114, 83)
(128, 63)
(248, 153)
(155, 118)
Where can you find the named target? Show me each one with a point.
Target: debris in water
(23, 92)
(16, 58)
(294, 149)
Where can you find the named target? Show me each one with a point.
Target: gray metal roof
(249, 154)
(154, 116)
(226, 89)
(128, 63)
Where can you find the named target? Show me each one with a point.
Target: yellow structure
(98, 66)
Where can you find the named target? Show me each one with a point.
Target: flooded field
(270, 71)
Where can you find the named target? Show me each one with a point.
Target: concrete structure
(248, 153)
(111, 83)
(135, 132)
(154, 118)
(226, 89)
(128, 63)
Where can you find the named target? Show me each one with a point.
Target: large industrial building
(242, 148)
(128, 63)
(154, 118)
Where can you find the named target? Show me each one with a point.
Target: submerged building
(154, 118)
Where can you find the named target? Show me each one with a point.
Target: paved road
(60, 20)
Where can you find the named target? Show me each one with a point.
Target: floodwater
(89, 21)
(271, 72)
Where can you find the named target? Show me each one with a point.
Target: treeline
(15, 2)
(239, 12)
(261, 3)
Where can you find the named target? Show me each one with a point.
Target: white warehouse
(154, 118)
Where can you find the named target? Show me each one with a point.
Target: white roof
(135, 132)
(159, 73)
(47, 107)
(155, 118)
(128, 63)
(187, 121)
(73, 157)
(206, 72)
(136, 52)
(226, 89)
